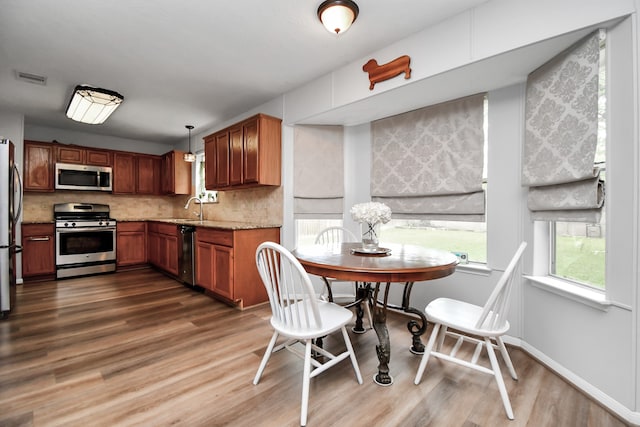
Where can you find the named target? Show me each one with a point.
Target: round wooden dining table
(405, 264)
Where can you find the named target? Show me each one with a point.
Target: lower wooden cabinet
(225, 263)
(131, 244)
(162, 244)
(38, 251)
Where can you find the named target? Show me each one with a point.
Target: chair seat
(460, 315)
(332, 316)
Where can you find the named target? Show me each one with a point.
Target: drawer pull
(39, 239)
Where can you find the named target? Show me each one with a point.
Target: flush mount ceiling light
(189, 157)
(337, 15)
(92, 105)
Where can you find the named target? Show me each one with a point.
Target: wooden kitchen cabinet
(225, 263)
(176, 174)
(70, 154)
(214, 260)
(247, 154)
(162, 244)
(217, 152)
(136, 173)
(38, 166)
(131, 244)
(38, 251)
(236, 153)
(148, 174)
(124, 176)
(82, 155)
(98, 157)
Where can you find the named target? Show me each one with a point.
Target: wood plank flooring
(139, 349)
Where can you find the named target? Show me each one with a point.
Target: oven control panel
(81, 223)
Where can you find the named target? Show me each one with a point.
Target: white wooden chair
(486, 323)
(300, 316)
(333, 237)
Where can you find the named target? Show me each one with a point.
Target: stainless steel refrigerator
(10, 208)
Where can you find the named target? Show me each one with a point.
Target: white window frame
(207, 196)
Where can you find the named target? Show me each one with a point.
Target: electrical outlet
(210, 197)
(463, 257)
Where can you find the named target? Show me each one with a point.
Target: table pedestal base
(416, 328)
(383, 349)
(378, 380)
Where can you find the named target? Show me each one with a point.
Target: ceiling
(197, 62)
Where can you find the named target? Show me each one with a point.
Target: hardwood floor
(139, 349)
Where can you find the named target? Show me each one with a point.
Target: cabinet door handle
(39, 239)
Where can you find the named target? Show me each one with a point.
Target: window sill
(590, 297)
(474, 268)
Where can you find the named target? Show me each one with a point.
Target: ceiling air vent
(31, 78)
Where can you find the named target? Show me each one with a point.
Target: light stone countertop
(225, 225)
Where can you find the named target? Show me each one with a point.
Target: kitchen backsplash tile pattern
(261, 205)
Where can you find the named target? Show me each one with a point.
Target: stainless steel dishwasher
(187, 254)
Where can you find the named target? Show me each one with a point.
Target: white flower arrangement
(371, 212)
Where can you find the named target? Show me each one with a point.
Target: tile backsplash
(262, 205)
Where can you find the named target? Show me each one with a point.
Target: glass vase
(370, 232)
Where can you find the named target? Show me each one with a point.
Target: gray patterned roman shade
(318, 164)
(561, 133)
(427, 163)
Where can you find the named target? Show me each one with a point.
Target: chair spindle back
(331, 236)
(291, 294)
(496, 309)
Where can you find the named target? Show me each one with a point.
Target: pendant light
(189, 157)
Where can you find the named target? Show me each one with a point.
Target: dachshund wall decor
(379, 73)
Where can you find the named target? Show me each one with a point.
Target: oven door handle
(81, 229)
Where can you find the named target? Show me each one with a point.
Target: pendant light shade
(92, 105)
(337, 15)
(189, 157)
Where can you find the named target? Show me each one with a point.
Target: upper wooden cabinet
(66, 154)
(217, 157)
(148, 174)
(133, 173)
(38, 166)
(97, 157)
(83, 156)
(136, 173)
(176, 173)
(124, 173)
(247, 154)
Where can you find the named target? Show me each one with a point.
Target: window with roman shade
(318, 185)
(561, 135)
(428, 163)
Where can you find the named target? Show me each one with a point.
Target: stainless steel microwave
(70, 176)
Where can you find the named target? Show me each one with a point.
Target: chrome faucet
(198, 200)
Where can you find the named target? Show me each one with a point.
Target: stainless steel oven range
(85, 239)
